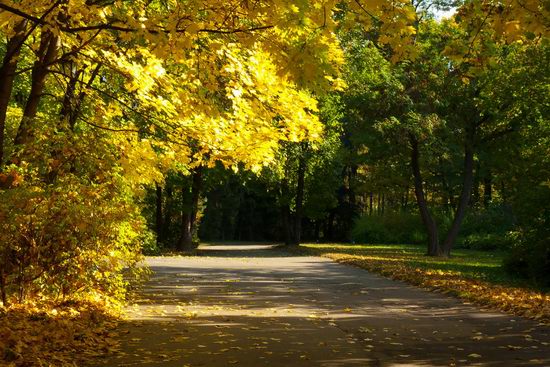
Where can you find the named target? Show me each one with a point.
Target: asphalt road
(257, 306)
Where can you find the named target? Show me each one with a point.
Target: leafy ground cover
(63, 334)
(475, 276)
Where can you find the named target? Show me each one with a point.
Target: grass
(476, 276)
(472, 264)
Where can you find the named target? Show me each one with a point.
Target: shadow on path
(257, 306)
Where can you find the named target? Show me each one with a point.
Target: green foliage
(530, 259)
(488, 229)
(390, 227)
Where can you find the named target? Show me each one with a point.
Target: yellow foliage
(519, 301)
(62, 334)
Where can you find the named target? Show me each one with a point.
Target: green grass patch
(472, 275)
(470, 264)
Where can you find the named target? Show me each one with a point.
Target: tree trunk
(167, 217)
(488, 189)
(3, 288)
(474, 197)
(190, 209)
(287, 228)
(299, 200)
(7, 76)
(47, 53)
(316, 230)
(185, 242)
(468, 183)
(370, 202)
(330, 225)
(429, 223)
(351, 190)
(159, 218)
(69, 99)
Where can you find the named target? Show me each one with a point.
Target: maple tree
(137, 86)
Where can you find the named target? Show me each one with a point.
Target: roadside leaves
(404, 266)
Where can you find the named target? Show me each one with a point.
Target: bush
(488, 229)
(69, 224)
(530, 260)
(496, 219)
(391, 227)
(486, 241)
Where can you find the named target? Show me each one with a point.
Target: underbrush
(483, 228)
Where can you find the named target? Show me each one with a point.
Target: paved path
(256, 306)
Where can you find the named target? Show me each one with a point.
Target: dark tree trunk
(7, 76)
(47, 53)
(185, 242)
(429, 223)
(159, 217)
(474, 197)
(370, 202)
(316, 230)
(167, 218)
(299, 201)
(467, 185)
(488, 189)
(69, 100)
(287, 228)
(190, 209)
(330, 225)
(379, 205)
(3, 288)
(351, 191)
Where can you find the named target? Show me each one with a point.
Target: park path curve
(253, 306)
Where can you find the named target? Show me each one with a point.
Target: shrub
(391, 227)
(530, 260)
(530, 257)
(69, 224)
(486, 241)
(488, 229)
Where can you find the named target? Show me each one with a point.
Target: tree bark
(429, 223)
(7, 76)
(3, 288)
(370, 202)
(159, 225)
(474, 197)
(69, 100)
(468, 183)
(189, 217)
(352, 172)
(330, 225)
(167, 217)
(47, 53)
(297, 232)
(488, 189)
